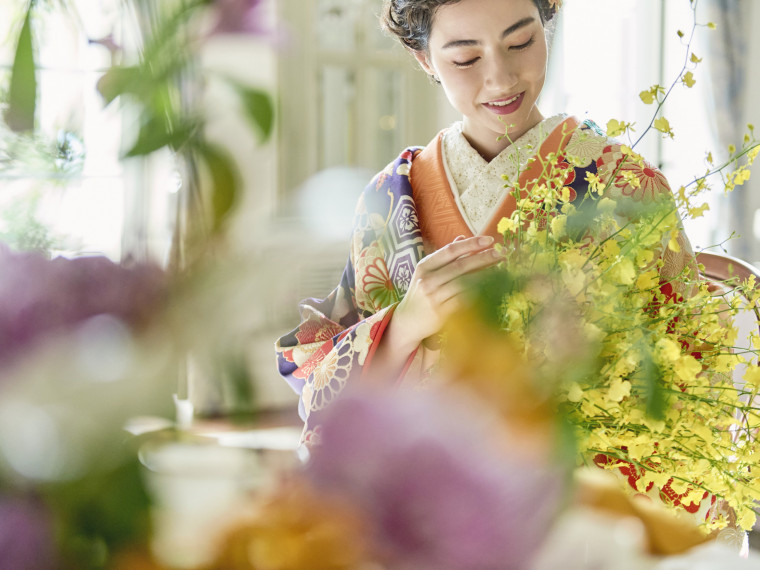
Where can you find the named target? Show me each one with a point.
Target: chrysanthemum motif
(331, 375)
(317, 331)
(308, 365)
(584, 147)
(377, 285)
(638, 181)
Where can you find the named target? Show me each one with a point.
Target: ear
(424, 61)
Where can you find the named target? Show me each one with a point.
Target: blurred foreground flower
(26, 534)
(40, 298)
(296, 528)
(431, 475)
(85, 345)
(239, 17)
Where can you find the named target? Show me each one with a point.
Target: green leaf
(22, 99)
(156, 133)
(649, 382)
(118, 81)
(259, 109)
(224, 178)
(100, 514)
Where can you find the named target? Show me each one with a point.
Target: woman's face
(490, 56)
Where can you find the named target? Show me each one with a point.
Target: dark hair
(410, 20)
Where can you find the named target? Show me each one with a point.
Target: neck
(490, 149)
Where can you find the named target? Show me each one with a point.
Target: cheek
(459, 89)
(534, 69)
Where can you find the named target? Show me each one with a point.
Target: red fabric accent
(376, 334)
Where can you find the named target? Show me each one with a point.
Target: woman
(430, 217)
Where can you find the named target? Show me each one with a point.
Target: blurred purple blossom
(26, 535)
(239, 17)
(41, 297)
(440, 492)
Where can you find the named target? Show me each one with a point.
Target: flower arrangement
(639, 351)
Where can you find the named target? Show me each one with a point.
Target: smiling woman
(433, 216)
(430, 217)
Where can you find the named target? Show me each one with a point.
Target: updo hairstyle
(410, 20)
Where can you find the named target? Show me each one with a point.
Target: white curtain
(729, 62)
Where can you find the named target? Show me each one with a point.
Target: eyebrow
(510, 30)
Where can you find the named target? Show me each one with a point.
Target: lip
(505, 109)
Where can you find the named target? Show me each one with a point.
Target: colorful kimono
(406, 212)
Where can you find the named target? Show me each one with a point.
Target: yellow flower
(647, 97)
(668, 350)
(648, 280)
(506, 225)
(746, 518)
(644, 257)
(606, 206)
(623, 272)
(616, 128)
(574, 394)
(559, 226)
(595, 183)
(752, 376)
(687, 367)
(663, 125)
(619, 389)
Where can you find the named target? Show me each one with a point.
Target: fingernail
(459, 237)
(495, 253)
(485, 240)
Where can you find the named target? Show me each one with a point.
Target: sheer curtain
(729, 60)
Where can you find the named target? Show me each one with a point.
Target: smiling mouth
(505, 106)
(504, 102)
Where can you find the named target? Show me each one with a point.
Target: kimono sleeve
(333, 345)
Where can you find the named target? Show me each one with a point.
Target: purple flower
(26, 535)
(239, 17)
(440, 491)
(40, 297)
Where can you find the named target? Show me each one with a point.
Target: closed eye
(525, 45)
(466, 63)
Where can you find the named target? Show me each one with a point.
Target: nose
(501, 73)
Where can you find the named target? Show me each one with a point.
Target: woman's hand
(436, 288)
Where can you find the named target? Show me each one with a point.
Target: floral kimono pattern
(406, 212)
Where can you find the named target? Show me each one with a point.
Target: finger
(465, 265)
(444, 292)
(457, 249)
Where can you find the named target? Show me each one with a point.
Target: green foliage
(224, 177)
(100, 514)
(22, 230)
(22, 94)
(164, 85)
(259, 109)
